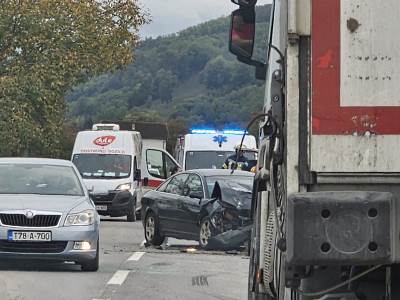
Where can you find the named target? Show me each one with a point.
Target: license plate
(38, 236)
(101, 207)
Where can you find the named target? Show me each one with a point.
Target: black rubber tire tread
(158, 239)
(254, 253)
(131, 216)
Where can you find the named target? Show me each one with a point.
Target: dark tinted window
(176, 184)
(206, 159)
(210, 159)
(194, 186)
(163, 186)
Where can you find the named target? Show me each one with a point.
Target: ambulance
(110, 162)
(209, 148)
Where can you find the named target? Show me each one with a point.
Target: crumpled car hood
(233, 193)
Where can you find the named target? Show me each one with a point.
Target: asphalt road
(129, 270)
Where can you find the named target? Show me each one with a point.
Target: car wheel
(152, 230)
(205, 233)
(92, 265)
(131, 216)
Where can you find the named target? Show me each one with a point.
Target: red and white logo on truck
(104, 141)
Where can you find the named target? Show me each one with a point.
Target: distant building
(154, 135)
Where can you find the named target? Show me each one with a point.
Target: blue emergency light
(213, 131)
(203, 131)
(234, 131)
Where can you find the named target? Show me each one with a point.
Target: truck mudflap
(349, 227)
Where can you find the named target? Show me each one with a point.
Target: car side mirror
(138, 175)
(196, 195)
(90, 190)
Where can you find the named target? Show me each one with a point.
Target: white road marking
(119, 277)
(136, 256)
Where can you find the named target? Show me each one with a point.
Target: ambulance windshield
(206, 159)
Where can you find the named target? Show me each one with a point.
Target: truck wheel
(152, 230)
(205, 233)
(92, 265)
(131, 216)
(253, 293)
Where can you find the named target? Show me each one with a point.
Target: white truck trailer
(326, 196)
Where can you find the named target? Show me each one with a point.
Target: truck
(204, 148)
(325, 204)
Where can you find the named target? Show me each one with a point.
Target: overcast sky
(169, 16)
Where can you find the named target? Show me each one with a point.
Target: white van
(110, 162)
(209, 149)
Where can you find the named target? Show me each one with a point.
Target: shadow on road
(35, 266)
(114, 220)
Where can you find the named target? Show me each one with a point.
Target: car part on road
(228, 240)
(152, 230)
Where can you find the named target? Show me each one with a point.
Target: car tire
(152, 230)
(92, 265)
(131, 216)
(204, 233)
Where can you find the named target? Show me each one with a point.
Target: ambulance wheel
(131, 216)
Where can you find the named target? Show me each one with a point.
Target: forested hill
(186, 79)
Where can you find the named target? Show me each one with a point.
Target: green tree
(217, 73)
(164, 84)
(47, 47)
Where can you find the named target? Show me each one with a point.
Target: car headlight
(86, 217)
(124, 187)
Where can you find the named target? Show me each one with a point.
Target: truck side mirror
(146, 181)
(242, 37)
(242, 33)
(245, 3)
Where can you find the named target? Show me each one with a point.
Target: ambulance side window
(159, 164)
(180, 156)
(170, 166)
(155, 163)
